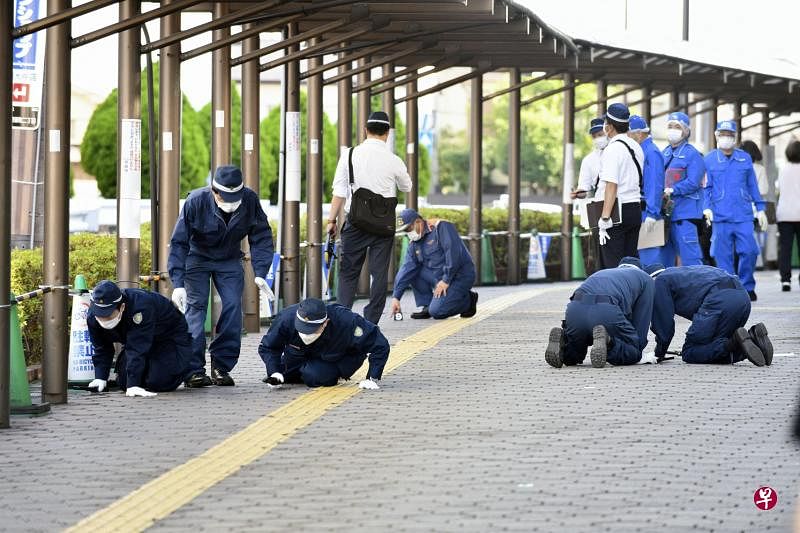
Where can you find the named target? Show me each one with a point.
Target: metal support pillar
(569, 172)
(290, 227)
(412, 145)
(764, 131)
(737, 115)
(220, 96)
(475, 171)
(710, 117)
(250, 170)
(6, 26)
(314, 180)
(345, 111)
(514, 145)
(363, 107)
(56, 214)
(128, 140)
(387, 102)
(647, 104)
(602, 97)
(169, 167)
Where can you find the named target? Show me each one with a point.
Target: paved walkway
(470, 431)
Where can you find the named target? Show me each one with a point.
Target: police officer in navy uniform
(610, 311)
(316, 344)
(379, 170)
(156, 344)
(206, 245)
(438, 268)
(718, 306)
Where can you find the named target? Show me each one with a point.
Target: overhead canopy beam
(479, 71)
(787, 129)
(609, 97)
(552, 92)
(759, 123)
(59, 17)
(650, 97)
(409, 74)
(687, 105)
(377, 63)
(520, 85)
(345, 60)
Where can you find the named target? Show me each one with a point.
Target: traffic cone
(20, 392)
(578, 268)
(488, 274)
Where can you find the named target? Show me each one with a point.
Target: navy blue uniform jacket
(346, 334)
(201, 235)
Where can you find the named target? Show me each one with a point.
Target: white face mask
(111, 324)
(674, 136)
(229, 207)
(309, 338)
(725, 142)
(413, 235)
(600, 142)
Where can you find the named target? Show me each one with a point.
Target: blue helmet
(680, 118)
(637, 123)
(726, 125)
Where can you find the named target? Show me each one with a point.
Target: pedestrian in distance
(788, 213)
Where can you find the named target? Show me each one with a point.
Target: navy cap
(406, 218)
(228, 183)
(637, 123)
(618, 113)
(596, 125)
(630, 260)
(106, 298)
(726, 125)
(680, 118)
(379, 117)
(311, 313)
(655, 269)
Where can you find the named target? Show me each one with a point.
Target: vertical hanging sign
(130, 179)
(28, 66)
(292, 156)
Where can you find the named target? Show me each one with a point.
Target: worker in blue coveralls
(718, 307)
(730, 193)
(652, 186)
(316, 344)
(437, 267)
(156, 346)
(683, 183)
(610, 312)
(206, 245)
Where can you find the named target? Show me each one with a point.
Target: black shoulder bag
(370, 211)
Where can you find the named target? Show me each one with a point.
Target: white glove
(604, 237)
(605, 224)
(97, 385)
(275, 381)
(138, 391)
(761, 216)
(668, 190)
(261, 283)
(368, 384)
(648, 358)
(709, 216)
(649, 223)
(179, 299)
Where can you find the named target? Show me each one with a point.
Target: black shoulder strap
(350, 166)
(635, 161)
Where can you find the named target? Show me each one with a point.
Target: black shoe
(423, 313)
(554, 354)
(195, 381)
(221, 378)
(473, 305)
(599, 351)
(786, 286)
(759, 335)
(744, 345)
(752, 295)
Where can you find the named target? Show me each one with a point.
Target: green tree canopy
(99, 144)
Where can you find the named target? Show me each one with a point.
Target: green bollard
(578, 268)
(20, 392)
(488, 274)
(80, 284)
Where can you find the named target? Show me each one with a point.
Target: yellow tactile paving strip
(160, 497)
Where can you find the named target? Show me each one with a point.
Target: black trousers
(624, 237)
(787, 232)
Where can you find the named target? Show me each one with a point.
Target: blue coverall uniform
(438, 256)
(346, 342)
(653, 178)
(621, 299)
(157, 347)
(206, 244)
(731, 190)
(685, 170)
(712, 299)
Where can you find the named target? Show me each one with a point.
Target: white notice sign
(130, 178)
(292, 156)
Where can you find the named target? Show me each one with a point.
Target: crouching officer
(610, 311)
(438, 268)
(316, 344)
(206, 245)
(718, 306)
(155, 339)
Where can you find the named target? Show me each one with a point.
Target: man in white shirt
(590, 165)
(377, 169)
(620, 183)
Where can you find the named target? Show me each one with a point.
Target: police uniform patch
(358, 331)
(137, 318)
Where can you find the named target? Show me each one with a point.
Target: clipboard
(652, 239)
(594, 210)
(673, 176)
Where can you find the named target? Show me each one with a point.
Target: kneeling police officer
(316, 344)
(156, 344)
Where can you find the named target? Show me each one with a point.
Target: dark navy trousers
(319, 373)
(456, 301)
(722, 312)
(582, 316)
(166, 366)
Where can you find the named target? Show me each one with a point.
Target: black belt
(582, 297)
(728, 283)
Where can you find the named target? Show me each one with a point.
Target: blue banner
(276, 262)
(24, 48)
